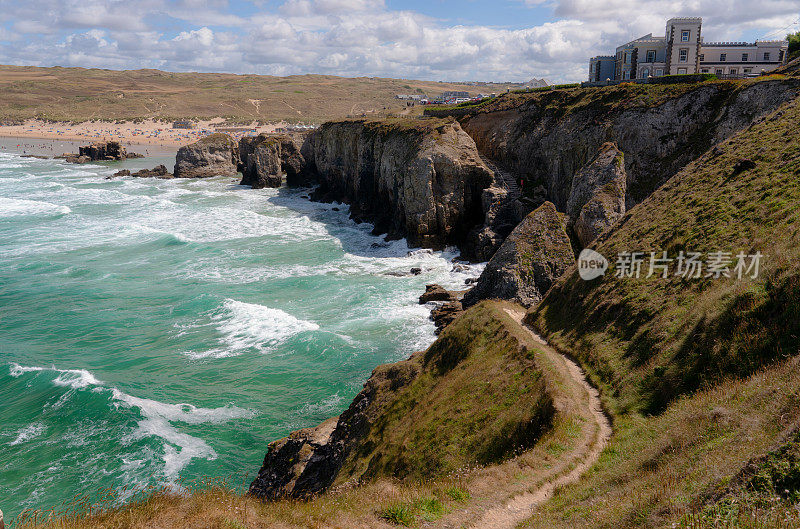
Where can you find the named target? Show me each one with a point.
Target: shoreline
(145, 133)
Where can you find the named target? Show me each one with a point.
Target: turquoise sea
(156, 331)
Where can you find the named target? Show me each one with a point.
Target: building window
(681, 71)
(723, 57)
(627, 58)
(685, 35)
(651, 56)
(702, 57)
(766, 56)
(781, 55)
(659, 72)
(745, 56)
(734, 71)
(645, 73)
(718, 71)
(683, 55)
(747, 70)
(703, 70)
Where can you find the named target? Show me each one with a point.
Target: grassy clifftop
(701, 374)
(479, 399)
(649, 340)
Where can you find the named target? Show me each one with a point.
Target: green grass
(700, 376)
(478, 399)
(398, 514)
(646, 342)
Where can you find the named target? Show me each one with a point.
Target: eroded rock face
(159, 171)
(546, 144)
(307, 461)
(420, 179)
(214, 155)
(103, 151)
(298, 465)
(597, 198)
(437, 293)
(270, 160)
(536, 253)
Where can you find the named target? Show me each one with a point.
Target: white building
(682, 51)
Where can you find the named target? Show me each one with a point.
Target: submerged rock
(536, 253)
(157, 172)
(214, 155)
(597, 198)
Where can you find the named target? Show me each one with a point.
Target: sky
(448, 40)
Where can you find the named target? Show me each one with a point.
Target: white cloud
(352, 37)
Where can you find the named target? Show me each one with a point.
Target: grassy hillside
(701, 374)
(78, 94)
(478, 399)
(647, 341)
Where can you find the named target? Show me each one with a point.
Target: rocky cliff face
(270, 160)
(546, 138)
(214, 155)
(103, 151)
(530, 260)
(420, 179)
(597, 198)
(308, 461)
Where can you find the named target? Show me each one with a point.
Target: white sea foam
(14, 207)
(157, 417)
(246, 326)
(27, 433)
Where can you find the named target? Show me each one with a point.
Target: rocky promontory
(530, 260)
(271, 160)
(419, 179)
(214, 155)
(597, 198)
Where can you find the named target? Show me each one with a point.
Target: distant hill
(79, 94)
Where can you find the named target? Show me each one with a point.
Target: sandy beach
(144, 133)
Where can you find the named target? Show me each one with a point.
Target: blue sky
(513, 40)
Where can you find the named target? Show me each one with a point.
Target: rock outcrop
(270, 160)
(214, 155)
(546, 138)
(597, 198)
(308, 461)
(536, 253)
(446, 314)
(103, 151)
(419, 179)
(436, 293)
(157, 172)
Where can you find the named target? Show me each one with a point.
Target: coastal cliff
(545, 138)
(424, 416)
(419, 179)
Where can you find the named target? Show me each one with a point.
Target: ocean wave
(14, 207)
(27, 433)
(156, 417)
(245, 326)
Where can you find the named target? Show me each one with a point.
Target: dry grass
(78, 94)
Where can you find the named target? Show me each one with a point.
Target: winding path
(519, 508)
